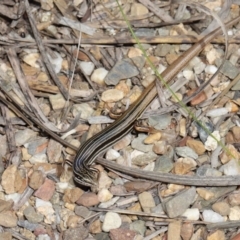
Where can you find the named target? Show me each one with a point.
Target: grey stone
(26, 224)
(160, 122)
(203, 135)
(138, 226)
(138, 62)
(31, 215)
(82, 211)
(184, 47)
(144, 159)
(162, 50)
(138, 144)
(102, 236)
(229, 70)
(145, 46)
(163, 164)
(79, 233)
(186, 152)
(163, 31)
(123, 69)
(158, 209)
(34, 145)
(24, 136)
(55, 198)
(145, 32)
(206, 170)
(178, 204)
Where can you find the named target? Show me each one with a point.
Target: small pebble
(87, 67)
(234, 214)
(122, 234)
(82, 211)
(138, 9)
(84, 109)
(112, 154)
(109, 203)
(144, 159)
(160, 147)
(211, 144)
(212, 217)
(187, 230)
(234, 198)
(104, 181)
(174, 230)
(152, 138)
(222, 208)
(211, 69)
(99, 75)
(192, 214)
(57, 101)
(146, 200)
(112, 95)
(217, 235)
(217, 112)
(104, 195)
(138, 144)
(184, 165)
(196, 145)
(32, 215)
(88, 199)
(46, 190)
(8, 219)
(231, 168)
(138, 226)
(111, 221)
(186, 152)
(95, 227)
(205, 194)
(188, 74)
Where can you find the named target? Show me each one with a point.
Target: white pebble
(104, 195)
(211, 216)
(211, 144)
(14, 196)
(43, 237)
(136, 153)
(112, 154)
(231, 168)
(230, 32)
(56, 62)
(99, 75)
(38, 158)
(188, 74)
(191, 214)
(84, 109)
(62, 186)
(212, 54)
(111, 221)
(195, 61)
(199, 68)
(217, 112)
(211, 69)
(109, 203)
(87, 67)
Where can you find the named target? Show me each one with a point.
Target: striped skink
(84, 173)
